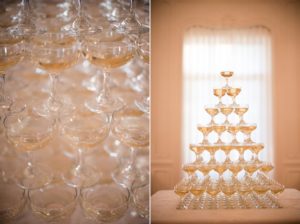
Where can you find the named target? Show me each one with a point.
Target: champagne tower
(229, 183)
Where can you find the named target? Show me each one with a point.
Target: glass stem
(132, 159)
(29, 168)
(198, 158)
(54, 81)
(80, 161)
(2, 87)
(104, 92)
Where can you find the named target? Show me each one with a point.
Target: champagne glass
(83, 132)
(212, 111)
(108, 50)
(240, 111)
(141, 200)
(190, 169)
(104, 203)
(213, 189)
(205, 169)
(198, 150)
(182, 189)
(228, 189)
(235, 168)
(251, 167)
(54, 203)
(241, 149)
(226, 149)
(12, 202)
(53, 52)
(266, 167)
(205, 129)
(11, 52)
(233, 130)
(197, 189)
(227, 75)
(255, 150)
(226, 111)
(247, 130)
(219, 129)
(220, 92)
(131, 127)
(233, 92)
(220, 168)
(29, 132)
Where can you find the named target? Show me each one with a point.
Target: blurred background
(192, 41)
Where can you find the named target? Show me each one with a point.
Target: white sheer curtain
(247, 52)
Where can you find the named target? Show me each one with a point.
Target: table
(163, 211)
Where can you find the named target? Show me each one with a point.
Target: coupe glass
(11, 52)
(182, 189)
(141, 200)
(205, 130)
(198, 150)
(266, 167)
(233, 130)
(220, 92)
(108, 50)
(84, 131)
(233, 92)
(190, 169)
(12, 202)
(213, 189)
(227, 75)
(240, 111)
(104, 203)
(219, 129)
(247, 130)
(255, 149)
(226, 111)
(29, 132)
(212, 111)
(197, 189)
(54, 203)
(53, 52)
(131, 127)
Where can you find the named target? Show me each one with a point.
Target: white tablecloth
(163, 210)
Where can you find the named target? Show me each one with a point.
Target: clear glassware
(212, 111)
(182, 189)
(190, 169)
(228, 189)
(213, 189)
(12, 202)
(255, 149)
(219, 129)
(104, 203)
(198, 189)
(266, 167)
(226, 148)
(226, 111)
(140, 197)
(198, 150)
(233, 130)
(220, 92)
(53, 52)
(240, 111)
(108, 49)
(29, 132)
(205, 130)
(227, 75)
(54, 203)
(247, 130)
(233, 92)
(84, 131)
(11, 52)
(131, 127)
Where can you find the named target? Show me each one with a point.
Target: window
(245, 51)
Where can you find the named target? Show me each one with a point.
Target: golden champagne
(260, 189)
(197, 191)
(248, 128)
(251, 168)
(257, 148)
(233, 92)
(213, 191)
(226, 148)
(205, 169)
(240, 110)
(228, 190)
(53, 41)
(110, 61)
(235, 168)
(226, 74)
(226, 110)
(219, 92)
(181, 192)
(266, 167)
(56, 66)
(276, 189)
(233, 129)
(220, 168)
(219, 128)
(189, 168)
(197, 149)
(212, 111)
(205, 129)
(244, 190)
(9, 61)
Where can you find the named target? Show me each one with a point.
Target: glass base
(124, 177)
(144, 104)
(85, 177)
(35, 177)
(47, 108)
(107, 106)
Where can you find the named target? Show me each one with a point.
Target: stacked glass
(227, 183)
(81, 137)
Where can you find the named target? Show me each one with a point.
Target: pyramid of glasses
(230, 182)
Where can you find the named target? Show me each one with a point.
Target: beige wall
(170, 18)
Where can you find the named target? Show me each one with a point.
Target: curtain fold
(247, 52)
